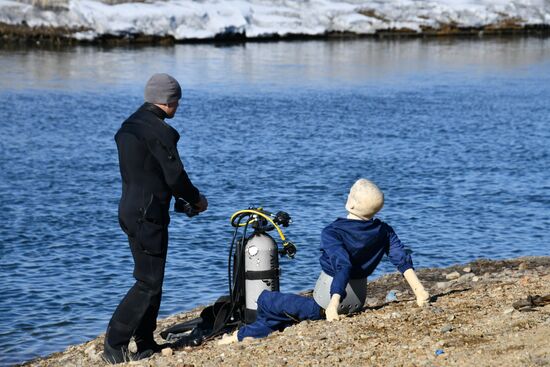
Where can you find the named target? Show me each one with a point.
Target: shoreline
(25, 35)
(472, 320)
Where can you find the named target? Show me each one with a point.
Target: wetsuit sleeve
(333, 247)
(396, 251)
(174, 173)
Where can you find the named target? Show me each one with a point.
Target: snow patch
(187, 19)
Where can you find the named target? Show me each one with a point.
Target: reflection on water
(269, 65)
(455, 132)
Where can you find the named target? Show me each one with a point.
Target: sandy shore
(471, 322)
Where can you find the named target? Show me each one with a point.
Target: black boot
(115, 355)
(146, 344)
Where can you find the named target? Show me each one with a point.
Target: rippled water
(455, 132)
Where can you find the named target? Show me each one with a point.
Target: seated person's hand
(422, 298)
(332, 308)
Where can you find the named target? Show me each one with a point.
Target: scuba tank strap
(262, 274)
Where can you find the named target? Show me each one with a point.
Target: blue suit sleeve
(333, 247)
(396, 252)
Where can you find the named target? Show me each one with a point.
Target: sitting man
(351, 249)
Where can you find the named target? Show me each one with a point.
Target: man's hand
(202, 205)
(332, 308)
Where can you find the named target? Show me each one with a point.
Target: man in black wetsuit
(152, 172)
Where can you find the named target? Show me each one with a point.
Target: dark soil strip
(25, 35)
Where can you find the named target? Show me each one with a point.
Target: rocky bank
(125, 22)
(13, 35)
(474, 320)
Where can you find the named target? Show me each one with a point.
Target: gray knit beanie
(365, 199)
(162, 89)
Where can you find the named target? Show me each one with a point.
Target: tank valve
(282, 218)
(289, 249)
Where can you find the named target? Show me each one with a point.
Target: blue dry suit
(349, 249)
(354, 248)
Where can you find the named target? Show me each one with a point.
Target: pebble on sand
(443, 285)
(446, 328)
(466, 277)
(167, 352)
(453, 275)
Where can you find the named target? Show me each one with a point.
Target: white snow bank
(187, 19)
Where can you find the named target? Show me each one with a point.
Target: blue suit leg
(278, 310)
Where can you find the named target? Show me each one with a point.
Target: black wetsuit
(152, 172)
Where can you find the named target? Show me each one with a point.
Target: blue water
(456, 133)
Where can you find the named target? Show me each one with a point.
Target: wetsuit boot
(115, 355)
(150, 344)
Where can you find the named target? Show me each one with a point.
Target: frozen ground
(187, 19)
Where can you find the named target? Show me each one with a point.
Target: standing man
(152, 172)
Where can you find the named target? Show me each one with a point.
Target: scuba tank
(253, 266)
(261, 271)
(257, 258)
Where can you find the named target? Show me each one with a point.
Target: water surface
(456, 133)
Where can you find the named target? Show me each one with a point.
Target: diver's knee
(151, 288)
(265, 298)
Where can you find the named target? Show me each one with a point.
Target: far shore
(480, 315)
(40, 36)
